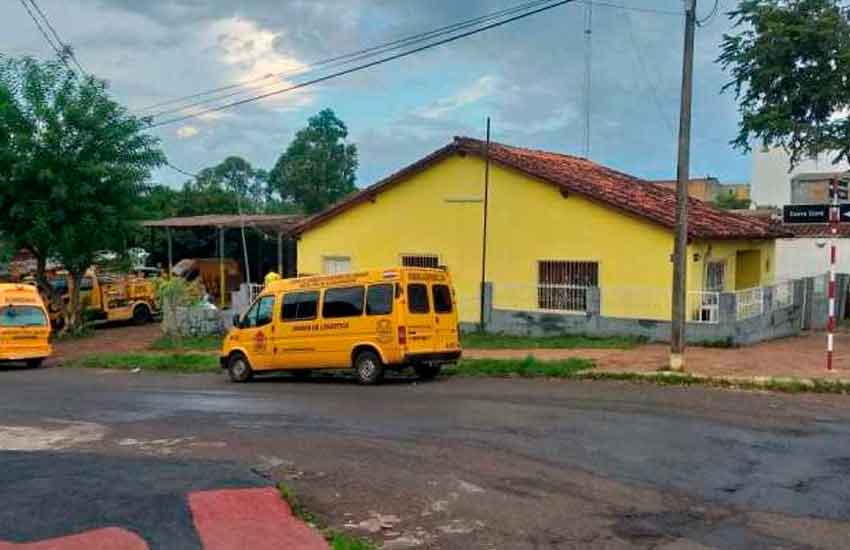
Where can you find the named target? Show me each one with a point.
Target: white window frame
(715, 263)
(567, 297)
(335, 259)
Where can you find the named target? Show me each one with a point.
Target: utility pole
(588, 73)
(483, 316)
(680, 259)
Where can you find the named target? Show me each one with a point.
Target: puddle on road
(51, 435)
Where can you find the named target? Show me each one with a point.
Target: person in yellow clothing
(271, 276)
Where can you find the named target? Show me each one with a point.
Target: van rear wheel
(427, 372)
(368, 367)
(238, 368)
(35, 363)
(141, 314)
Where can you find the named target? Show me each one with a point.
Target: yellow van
(368, 320)
(24, 325)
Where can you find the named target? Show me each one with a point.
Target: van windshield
(22, 316)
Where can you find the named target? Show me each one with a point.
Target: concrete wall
(771, 179)
(808, 310)
(808, 256)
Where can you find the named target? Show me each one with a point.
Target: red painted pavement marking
(109, 538)
(255, 519)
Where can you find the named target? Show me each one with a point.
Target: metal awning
(276, 223)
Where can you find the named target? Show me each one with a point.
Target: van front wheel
(368, 367)
(238, 368)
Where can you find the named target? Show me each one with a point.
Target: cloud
(185, 132)
(481, 88)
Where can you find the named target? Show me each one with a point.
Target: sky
(528, 76)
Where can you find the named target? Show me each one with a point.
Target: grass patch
(164, 362)
(483, 340)
(525, 368)
(783, 385)
(192, 343)
(337, 539)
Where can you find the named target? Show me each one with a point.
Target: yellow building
(557, 226)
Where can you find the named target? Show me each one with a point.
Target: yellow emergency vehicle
(24, 325)
(369, 321)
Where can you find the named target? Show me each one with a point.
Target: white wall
(771, 181)
(802, 257)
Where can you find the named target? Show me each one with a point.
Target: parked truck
(110, 297)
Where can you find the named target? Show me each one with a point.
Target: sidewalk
(797, 357)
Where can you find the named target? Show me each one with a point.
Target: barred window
(563, 285)
(420, 260)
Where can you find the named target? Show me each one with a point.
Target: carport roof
(282, 223)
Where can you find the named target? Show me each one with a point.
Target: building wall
(728, 253)
(439, 211)
(808, 257)
(771, 179)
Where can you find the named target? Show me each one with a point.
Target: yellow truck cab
(24, 325)
(369, 321)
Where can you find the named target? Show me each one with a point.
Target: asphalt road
(452, 464)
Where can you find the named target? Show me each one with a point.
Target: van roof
(17, 287)
(361, 276)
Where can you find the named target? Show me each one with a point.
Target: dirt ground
(114, 338)
(802, 356)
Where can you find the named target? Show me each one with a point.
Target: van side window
(300, 306)
(343, 302)
(379, 299)
(260, 313)
(417, 298)
(442, 299)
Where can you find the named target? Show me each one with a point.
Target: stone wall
(200, 321)
(807, 310)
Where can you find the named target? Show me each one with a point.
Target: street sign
(813, 213)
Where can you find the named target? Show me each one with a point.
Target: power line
(363, 66)
(633, 8)
(66, 48)
(180, 170)
(344, 59)
(43, 32)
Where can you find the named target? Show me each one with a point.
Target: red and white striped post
(834, 214)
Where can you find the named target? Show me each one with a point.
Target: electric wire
(66, 49)
(362, 66)
(338, 60)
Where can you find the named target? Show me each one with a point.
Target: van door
(343, 324)
(381, 319)
(257, 332)
(295, 342)
(445, 317)
(420, 319)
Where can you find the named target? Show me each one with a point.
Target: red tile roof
(816, 230)
(583, 177)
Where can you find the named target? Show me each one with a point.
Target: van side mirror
(236, 321)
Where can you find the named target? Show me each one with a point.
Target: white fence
(749, 302)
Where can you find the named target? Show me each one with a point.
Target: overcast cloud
(528, 76)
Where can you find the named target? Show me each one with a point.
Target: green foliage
(728, 201)
(318, 168)
(72, 164)
(171, 362)
(790, 67)
(525, 368)
(482, 340)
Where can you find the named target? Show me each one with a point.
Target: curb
(786, 384)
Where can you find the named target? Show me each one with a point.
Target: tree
(790, 67)
(729, 201)
(318, 168)
(72, 164)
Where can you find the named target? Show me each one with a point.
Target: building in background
(709, 189)
(772, 177)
